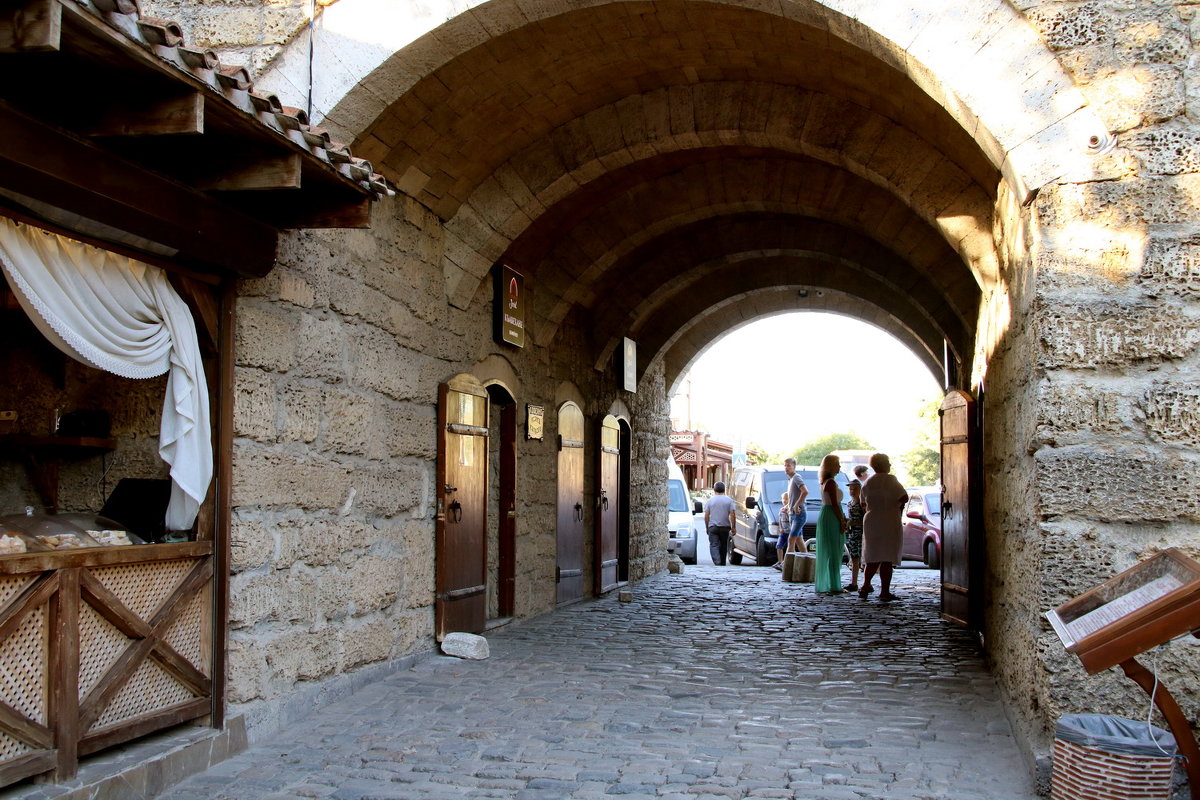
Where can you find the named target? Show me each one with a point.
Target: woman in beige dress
(883, 533)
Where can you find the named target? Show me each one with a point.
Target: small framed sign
(510, 306)
(629, 364)
(534, 421)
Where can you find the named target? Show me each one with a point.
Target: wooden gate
(961, 552)
(608, 504)
(461, 550)
(570, 503)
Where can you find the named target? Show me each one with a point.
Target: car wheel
(764, 552)
(735, 557)
(931, 556)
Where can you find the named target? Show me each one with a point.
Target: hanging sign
(534, 421)
(510, 306)
(628, 364)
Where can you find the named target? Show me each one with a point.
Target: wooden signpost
(1146, 605)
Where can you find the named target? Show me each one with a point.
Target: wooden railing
(99, 646)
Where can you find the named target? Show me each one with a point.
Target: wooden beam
(28, 764)
(140, 726)
(67, 172)
(171, 116)
(31, 26)
(20, 727)
(279, 172)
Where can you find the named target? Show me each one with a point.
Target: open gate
(608, 505)
(962, 551)
(461, 549)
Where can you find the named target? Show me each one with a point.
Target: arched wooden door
(461, 549)
(608, 505)
(570, 503)
(962, 552)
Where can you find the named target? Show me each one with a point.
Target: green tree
(923, 463)
(814, 451)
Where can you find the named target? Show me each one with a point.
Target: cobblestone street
(723, 682)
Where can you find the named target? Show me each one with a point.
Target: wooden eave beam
(182, 114)
(85, 34)
(267, 172)
(81, 178)
(30, 26)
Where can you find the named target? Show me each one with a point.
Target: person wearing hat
(719, 520)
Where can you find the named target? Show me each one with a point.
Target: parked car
(757, 495)
(680, 508)
(923, 525)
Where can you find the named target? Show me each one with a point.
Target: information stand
(1146, 605)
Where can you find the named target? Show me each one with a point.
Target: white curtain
(122, 316)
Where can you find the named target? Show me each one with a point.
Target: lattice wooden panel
(188, 636)
(100, 645)
(23, 657)
(150, 689)
(143, 587)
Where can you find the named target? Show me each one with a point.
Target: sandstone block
(320, 542)
(266, 336)
(374, 583)
(1124, 486)
(254, 404)
(465, 645)
(1114, 335)
(276, 478)
(321, 348)
(1172, 411)
(389, 489)
(367, 643)
(252, 544)
(350, 423)
(1171, 266)
(300, 412)
(1064, 409)
(295, 290)
(245, 668)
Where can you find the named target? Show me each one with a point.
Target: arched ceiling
(644, 163)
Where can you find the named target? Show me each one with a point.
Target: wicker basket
(1088, 773)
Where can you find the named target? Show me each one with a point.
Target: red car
(923, 525)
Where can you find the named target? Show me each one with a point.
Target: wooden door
(570, 504)
(608, 504)
(959, 550)
(461, 550)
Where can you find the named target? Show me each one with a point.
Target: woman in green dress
(831, 529)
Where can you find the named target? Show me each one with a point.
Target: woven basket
(1088, 773)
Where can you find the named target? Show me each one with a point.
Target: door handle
(602, 500)
(578, 512)
(455, 511)
(448, 488)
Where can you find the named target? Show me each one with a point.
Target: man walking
(797, 494)
(719, 520)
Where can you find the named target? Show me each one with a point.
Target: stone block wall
(1091, 442)
(339, 354)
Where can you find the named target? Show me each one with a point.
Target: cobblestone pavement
(722, 682)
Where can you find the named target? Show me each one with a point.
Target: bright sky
(744, 389)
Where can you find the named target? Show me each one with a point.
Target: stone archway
(593, 141)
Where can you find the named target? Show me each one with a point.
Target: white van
(679, 515)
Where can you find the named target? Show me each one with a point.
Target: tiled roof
(164, 39)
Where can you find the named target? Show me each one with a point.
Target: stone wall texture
(340, 351)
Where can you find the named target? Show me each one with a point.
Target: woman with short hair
(883, 533)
